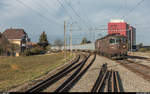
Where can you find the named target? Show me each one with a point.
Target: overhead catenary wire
(89, 28)
(93, 26)
(67, 12)
(44, 7)
(46, 2)
(47, 10)
(72, 9)
(37, 12)
(76, 13)
(132, 9)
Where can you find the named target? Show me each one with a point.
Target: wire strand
(38, 13)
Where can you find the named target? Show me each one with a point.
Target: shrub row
(34, 51)
(144, 49)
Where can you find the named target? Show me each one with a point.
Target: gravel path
(131, 82)
(147, 55)
(141, 61)
(144, 62)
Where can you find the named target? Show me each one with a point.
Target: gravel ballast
(142, 54)
(131, 82)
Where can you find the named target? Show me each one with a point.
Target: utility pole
(94, 36)
(71, 38)
(65, 39)
(131, 40)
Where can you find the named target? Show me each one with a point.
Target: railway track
(107, 81)
(139, 57)
(54, 78)
(76, 66)
(72, 80)
(140, 69)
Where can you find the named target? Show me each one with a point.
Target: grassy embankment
(15, 71)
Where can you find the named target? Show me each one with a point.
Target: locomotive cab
(118, 46)
(114, 46)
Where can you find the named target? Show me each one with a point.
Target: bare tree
(59, 43)
(85, 41)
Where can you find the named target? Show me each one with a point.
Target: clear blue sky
(36, 16)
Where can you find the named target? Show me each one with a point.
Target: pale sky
(35, 16)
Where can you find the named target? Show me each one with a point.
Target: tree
(141, 45)
(84, 41)
(89, 41)
(1, 50)
(58, 42)
(43, 42)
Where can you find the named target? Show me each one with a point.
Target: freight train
(113, 46)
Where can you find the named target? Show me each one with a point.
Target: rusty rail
(107, 80)
(117, 81)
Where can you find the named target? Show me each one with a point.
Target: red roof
(14, 33)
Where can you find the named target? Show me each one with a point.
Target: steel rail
(44, 84)
(96, 85)
(140, 69)
(117, 81)
(108, 82)
(112, 80)
(102, 81)
(138, 64)
(77, 78)
(69, 81)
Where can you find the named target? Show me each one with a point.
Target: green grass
(15, 71)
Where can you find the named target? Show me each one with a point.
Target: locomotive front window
(112, 41)
(118, 40)
(124, 40)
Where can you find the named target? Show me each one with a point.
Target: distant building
(17, 36)
(119, 26)
(132, 37)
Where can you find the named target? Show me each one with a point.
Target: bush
(143, 49)
(27, 53)
(1, 51)
(36, 50)
(148, 49)
(48, 48)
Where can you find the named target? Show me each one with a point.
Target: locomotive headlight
(112, 47)
(124, 46)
